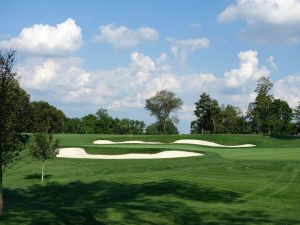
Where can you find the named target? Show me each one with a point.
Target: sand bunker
(107, 142)
(208, 143)
(182, 141)
(80, 153)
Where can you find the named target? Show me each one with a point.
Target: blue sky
(83, 55)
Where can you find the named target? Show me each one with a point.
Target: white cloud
(122, 37)
(46, 39)
(272, 63)
(182, 48)
(268, 21)
(56, 74)
(248, 71)
(194, 26)
(288, 89)
(64, 80)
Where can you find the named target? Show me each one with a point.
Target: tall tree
(43, 147)
(46, 118)
(162, 105)
(89, 124)
(14, 102)
(105, 123)
(260, 110)
(206, 112)
(297, 118)
(280, 117)
(231, 119)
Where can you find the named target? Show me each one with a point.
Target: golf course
(253, 185)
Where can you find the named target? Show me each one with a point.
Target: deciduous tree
(43, 147)
(14, 102)
(162, 105)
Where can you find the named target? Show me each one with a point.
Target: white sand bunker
(182, 141)
(208, 143)
(107, 142)
(80, 153)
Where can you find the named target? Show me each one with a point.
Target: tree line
(266, 115)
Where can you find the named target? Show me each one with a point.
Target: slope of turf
(233, 139)
(258, 185)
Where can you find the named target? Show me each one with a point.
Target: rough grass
(258, 185)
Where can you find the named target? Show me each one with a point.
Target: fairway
(257, 185)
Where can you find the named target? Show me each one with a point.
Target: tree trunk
(202, 130)
(1, 188)
(214, 125)
(165, 121)
(42, 170)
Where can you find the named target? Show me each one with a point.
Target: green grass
(234, 139)
(258, 185)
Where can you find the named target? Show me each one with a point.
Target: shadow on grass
(37, 176)
(167, 202)
(286, 137)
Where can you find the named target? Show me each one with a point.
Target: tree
(232, 119)
(14, 102)
(206, 112)
(46, 118)
(162, 105)
(280, 117)
(43, 147)
(89, 124)
(151, 129)
(105, 123)
(259, 111)
(297, 118)
(73, 125)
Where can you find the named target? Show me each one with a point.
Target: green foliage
(280, 117)
(259, 111)
(89, 124)
(46, 118)
(14, 104)
(206, 111)
(162, 105)
(157, 128)
(296, 116)
(152, 129)
(73, 125)
(43, 146)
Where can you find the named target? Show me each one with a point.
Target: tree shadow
(285, 137)
(101, 202)
(36, 176)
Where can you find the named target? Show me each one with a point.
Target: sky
(84, 55)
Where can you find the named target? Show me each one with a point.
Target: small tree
(43, 147)
(162, 105)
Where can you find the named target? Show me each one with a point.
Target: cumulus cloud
(272, 63)
(65, 80)
(268, 21)
(46, 39)
(288, 89)
(57, 74)
(249, 70)
(122, 37)
(182, 48)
